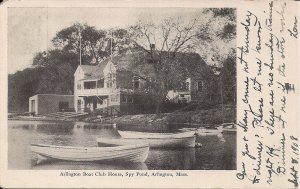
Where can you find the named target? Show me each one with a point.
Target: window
(187, 86)
(89, 85)
(200, 86)
(79, 105)
(78, 86)
(111, 80)
(136, 82)
(100, 83)
(149, 83)
(114, 98)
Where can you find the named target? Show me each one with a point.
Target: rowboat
(170, 142)
(133, 134)
(202, 131)
(182, 139)
(226, 125)
(79, 165)
(186, 129)
(227, 128)
(208, 131)
(131, 153)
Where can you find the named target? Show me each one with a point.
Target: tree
(57, 76)
(165, 45)
(119, 41)
(22, 85)
(228, 79)
(166, 42)
(93, 42)
(216, 43)
(40, 59)
(52, 74)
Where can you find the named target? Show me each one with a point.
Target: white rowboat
(131, 153)
(170, 142)
(202, 131)
(227, 128)
(185, 129)
(133, 134)
(208, 131)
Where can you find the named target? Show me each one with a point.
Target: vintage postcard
(140, 94)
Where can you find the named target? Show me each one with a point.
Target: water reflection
(221, 137)
(55, 128)
(149, 128)
(171, 159)
(218, 152)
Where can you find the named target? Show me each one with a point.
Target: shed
(49, 103)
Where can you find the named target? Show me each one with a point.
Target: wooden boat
(186, 129)
(202, 131)
(133, 134)
(206, 131)
(170, 142)
(80, 165)
(131, 153)
(181, 139)
(225, 125)
(227, 128)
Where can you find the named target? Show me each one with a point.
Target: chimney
(152, 47)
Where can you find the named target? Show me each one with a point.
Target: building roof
(50, 95)
(192, 63)
(93, 72)
(87, 68)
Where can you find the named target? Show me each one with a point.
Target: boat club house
(119, 85)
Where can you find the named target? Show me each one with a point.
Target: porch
(99, 104)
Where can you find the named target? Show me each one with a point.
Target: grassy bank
(197, 117)
(193, 117)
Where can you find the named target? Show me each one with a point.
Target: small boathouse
(49, 103)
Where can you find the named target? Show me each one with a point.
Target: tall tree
(93, 42)
(119, 41)
(57, 76)
(165, 45)
(216, 43)
(207, 34)
(228, 79)
(96, 44)
(22, 85)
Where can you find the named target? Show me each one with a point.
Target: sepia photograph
(134, 88)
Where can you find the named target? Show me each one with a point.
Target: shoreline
(109, 122)
(192, 119)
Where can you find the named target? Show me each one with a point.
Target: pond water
(216, 153)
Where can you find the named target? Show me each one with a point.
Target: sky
(30, 30)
